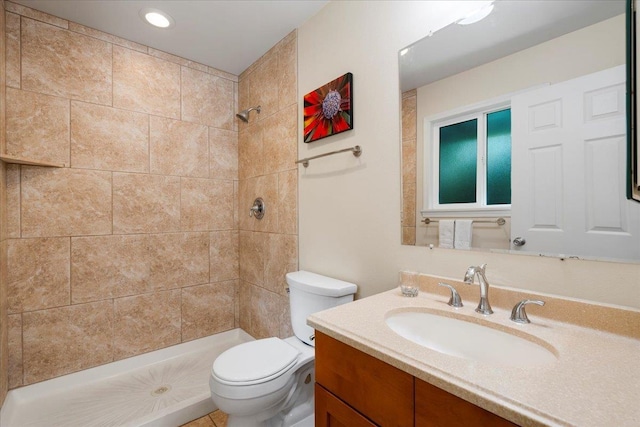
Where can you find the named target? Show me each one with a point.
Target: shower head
(244, 114)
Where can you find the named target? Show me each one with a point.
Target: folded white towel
(446, 230)
(463, 234)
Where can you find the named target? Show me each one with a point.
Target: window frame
(431, 141)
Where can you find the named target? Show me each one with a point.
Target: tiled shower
(143, 240)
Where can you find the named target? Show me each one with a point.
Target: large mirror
(514, 133)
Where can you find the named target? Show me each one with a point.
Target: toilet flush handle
(312, 337)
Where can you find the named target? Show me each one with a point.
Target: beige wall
(4, 350)
(350, 208)
(267, 155)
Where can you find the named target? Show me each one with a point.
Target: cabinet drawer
(333, 412)
(437, 408)
(372, 387)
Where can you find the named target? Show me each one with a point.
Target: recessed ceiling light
(476, 16)
(404, 51)
(157, 18)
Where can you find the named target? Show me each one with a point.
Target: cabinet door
(333, 412)
(372, 387)
(437, 408)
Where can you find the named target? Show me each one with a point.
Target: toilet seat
(254, 362)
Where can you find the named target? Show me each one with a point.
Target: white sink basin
(468, 340)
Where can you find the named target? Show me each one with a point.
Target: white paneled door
(569, 165)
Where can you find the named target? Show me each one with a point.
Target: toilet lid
(255, 362)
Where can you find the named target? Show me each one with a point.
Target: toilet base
(296, 411)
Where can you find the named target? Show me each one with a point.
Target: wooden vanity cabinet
(375, 389)
(438, 408)
(354, 389)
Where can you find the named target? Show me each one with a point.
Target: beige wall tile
(281, 257)
(280, 140)
(243, 99)
(12, 46)
(3, 208)
(65, 202)
(4, 324)
(252, 253)
(223, 154)
(263, 86)
(77, 28)
(288, 202)
(286, 330)
(145, 203)
(206, 204)
(409, 203)
(409, 107)
(223, 74)
(36, 14)
(408, 235)
(143, 323)
(267, 188)
(266, 312)
(223, 256)
(109, 139)
(37, 126)
(179, 148)
(208, 309)
(236, 211)
(207, 99)
(176, 59)
(59, 341)
(115, 266)
(244, 201)
(244, 305)
(13, 201)
(409, 182)
(288, 73)
(15, 350)
(250, 151)
(145, 84)
(59, 62)
(38, 274)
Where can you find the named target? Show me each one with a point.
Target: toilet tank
(310, 293)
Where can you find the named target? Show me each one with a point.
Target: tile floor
(214, 419)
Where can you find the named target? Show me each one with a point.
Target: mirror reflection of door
(569, 162)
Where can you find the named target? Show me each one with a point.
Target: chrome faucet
(483, 306)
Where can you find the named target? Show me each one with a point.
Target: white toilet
(269, 382)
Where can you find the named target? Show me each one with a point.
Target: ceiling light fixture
(157, 18)
(476, 16)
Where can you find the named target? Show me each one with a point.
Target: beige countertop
(594, 382)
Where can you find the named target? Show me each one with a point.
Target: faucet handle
(519, 315)
(455, 300)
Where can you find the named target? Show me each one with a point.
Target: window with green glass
(499, 157)
(458, 162)
(473, 167)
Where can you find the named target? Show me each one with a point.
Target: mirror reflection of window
(474, 161)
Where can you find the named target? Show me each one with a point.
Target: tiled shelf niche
(22, 161)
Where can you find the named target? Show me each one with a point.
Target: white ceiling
(511, 27)
(224, 34)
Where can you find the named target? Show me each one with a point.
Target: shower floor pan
(164, 388)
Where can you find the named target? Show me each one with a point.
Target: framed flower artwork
(328, 110)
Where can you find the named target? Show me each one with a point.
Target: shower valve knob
(258, 208)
